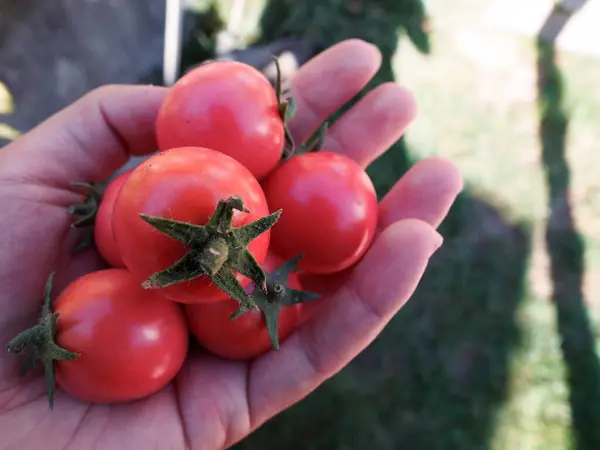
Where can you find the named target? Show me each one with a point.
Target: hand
(212, 403)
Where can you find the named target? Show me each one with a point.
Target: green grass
(497, 349)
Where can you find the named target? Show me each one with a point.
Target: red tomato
(131, 342)
(183, 184)
(227, 106)
(329, 211)
(246, 336)
(103, 229)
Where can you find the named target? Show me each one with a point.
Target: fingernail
(437, 242)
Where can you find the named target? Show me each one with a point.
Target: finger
(346, 323)
(425, 192)
(328, 81)
(88, 140)
(212, 400)
(377, 121)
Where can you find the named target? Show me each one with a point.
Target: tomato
(131, 342)
(227, 106)
(246, 336)
(330, 211)
(183, 184)
(103, 230)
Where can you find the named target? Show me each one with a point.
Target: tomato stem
(316, 140)
(287, 110)
(277, 291)
(215, 250)
(38, 341)
(214, 256)
(86, 211)
(277, 295)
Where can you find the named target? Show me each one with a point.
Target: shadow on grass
(565, 244)
(435, 378)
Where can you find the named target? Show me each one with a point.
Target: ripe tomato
(330, 211)
(227, 106)
(183, 184)
(131, 342)
(103, 229)
(246, 336)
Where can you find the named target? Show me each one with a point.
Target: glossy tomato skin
(183, 184)
(131, 342)
(329, 211)
(227, 106)
(103, 229)
(245, 337)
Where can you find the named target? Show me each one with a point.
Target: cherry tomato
(329, 211)
(131, 342)
(103, 229)
(183, 184)
(246, 336)
(227, 106)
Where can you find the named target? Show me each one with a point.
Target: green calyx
(276, 296)
(215, 250)
(85, 212)
(39, 344)
(287, 110)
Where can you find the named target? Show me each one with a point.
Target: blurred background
(497, 349)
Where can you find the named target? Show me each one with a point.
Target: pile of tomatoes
(210, 236)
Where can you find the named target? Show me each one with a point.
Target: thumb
(88, 140)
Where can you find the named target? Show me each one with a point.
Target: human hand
(212, 403)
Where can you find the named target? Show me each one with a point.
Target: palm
(212, 403)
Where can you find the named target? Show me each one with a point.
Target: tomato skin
(329, 211)
(245, 337)
(103, 229)
(227, 106)
(131, 342)
(183, 184)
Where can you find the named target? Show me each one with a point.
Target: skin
(220, 103)
(212, 403)
(245, 337)
(103, 226)
(330, 209)
(183, 184)
(131, 342)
